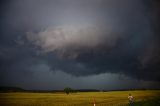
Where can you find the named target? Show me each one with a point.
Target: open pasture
(113, 98)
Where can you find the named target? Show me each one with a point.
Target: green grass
(151, 102)
(115, 98)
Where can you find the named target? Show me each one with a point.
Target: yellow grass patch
(113, 98)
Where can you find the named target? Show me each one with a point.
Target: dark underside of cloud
(122, 38)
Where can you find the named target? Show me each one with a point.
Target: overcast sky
(82, 44)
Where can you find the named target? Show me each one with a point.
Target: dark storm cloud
(81, 38)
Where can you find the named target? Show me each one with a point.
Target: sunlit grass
(115, 98)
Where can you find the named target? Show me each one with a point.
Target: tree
(67, 90)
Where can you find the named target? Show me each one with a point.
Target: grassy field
(114, 98)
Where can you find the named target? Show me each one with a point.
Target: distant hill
(18, 89)
(10, 89)
(86, 90)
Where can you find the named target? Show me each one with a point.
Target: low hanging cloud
(73, 40)
(90, 49)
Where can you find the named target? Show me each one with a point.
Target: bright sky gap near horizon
(82, 44)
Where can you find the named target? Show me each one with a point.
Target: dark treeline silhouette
(18, 89)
